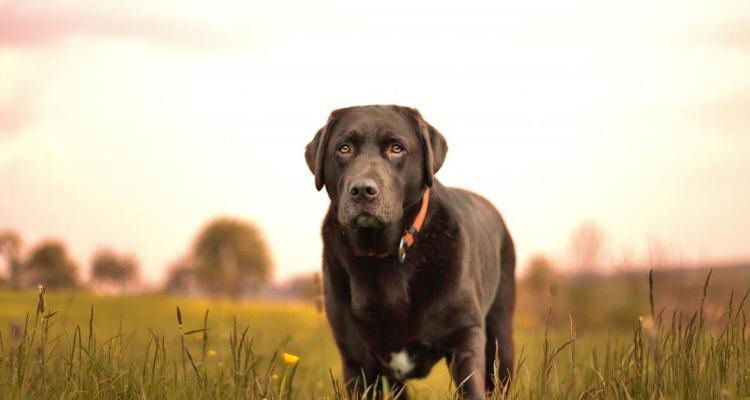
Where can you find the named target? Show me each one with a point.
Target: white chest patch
(401, 364)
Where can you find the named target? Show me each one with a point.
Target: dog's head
(374, 161)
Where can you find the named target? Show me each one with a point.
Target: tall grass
(671, 354)
(668, 357)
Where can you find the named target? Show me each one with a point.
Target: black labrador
(413, 271)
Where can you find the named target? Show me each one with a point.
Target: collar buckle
(402, 247)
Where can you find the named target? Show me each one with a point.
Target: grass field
(87, 346)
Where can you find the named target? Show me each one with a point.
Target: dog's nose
(365, 189)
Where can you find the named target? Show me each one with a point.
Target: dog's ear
(316, 149)
(312, 150)
(434, 145)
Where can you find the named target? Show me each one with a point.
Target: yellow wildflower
(290, 359)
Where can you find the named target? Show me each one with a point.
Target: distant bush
(114, 271)
(308, 287)
(541, 276)
(180, 278)
(49, 264)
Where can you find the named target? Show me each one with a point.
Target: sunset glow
(130, 126)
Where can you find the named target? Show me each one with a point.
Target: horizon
(131, 126)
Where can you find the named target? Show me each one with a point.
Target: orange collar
(407, 240)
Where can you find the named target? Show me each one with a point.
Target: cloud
(734, 34)
(12, 119)
(24, 24)
(729, 114)
(16, 113)
(33, 25)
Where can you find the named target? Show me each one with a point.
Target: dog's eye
(396, 148)
(345, 149)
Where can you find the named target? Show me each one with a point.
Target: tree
(179, 277)
(230, 256)
(10, 250)
(586, 247)
(50, 266)
(541, 276)
(111, 269)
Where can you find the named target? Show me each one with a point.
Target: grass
(77, 345)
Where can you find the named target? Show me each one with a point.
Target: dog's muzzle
(366, 220)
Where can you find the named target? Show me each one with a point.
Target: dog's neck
(380, 282)
(373, 243)
(380, 243)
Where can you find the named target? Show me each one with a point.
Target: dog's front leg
(467, 363)
(353, 379)
(359, 379)
(364, 384)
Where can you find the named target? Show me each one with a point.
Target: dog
(413, 271)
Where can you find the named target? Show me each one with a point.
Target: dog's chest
(380, 298)
(412, 361)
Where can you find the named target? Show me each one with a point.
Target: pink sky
(129, 125)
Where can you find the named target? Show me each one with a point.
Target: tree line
(228, 256)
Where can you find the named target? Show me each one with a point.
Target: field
(596, 338)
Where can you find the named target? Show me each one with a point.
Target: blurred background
(158, 145)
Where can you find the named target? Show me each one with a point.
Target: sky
(129, 125)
